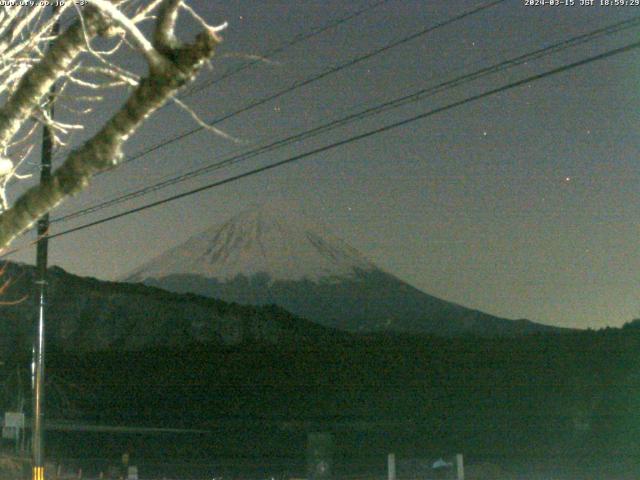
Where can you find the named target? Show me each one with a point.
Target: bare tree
(80, 59)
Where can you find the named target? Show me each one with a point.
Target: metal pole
(41, 282)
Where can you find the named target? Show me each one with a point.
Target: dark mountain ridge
(85, 314)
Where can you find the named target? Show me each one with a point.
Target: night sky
(524, 204)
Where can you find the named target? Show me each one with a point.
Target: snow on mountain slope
(262, 257)
(258, 242)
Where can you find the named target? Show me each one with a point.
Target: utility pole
(41, 283)
(38, 350)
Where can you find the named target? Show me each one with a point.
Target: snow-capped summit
(259, 241)
(266, 256)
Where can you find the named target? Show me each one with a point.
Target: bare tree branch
(178, 66)
(37, 81)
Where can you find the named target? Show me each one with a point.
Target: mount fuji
(264, 257)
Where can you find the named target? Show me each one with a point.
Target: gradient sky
(523, 205)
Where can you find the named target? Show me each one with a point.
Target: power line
(281, 48)
(375, 110)
(310, 80)
(315, 78)
(362, 136)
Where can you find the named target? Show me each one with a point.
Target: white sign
(132, 473)
(14, 419)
